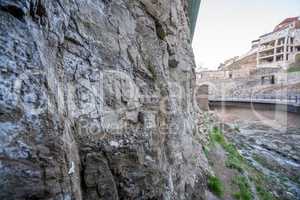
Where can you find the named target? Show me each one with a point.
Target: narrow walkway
(295, 101)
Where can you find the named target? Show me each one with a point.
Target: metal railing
(284, 99)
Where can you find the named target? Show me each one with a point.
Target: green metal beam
(193, 11)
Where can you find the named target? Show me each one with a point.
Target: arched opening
(297, 58)
(202, 92)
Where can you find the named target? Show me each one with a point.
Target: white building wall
(274, 37)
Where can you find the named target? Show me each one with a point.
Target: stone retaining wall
(285, 84)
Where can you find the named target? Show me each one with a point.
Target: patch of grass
(244, 192)
(263, 194)
(261, 184)
(216, 136)
(232, 150)
(236, 161)
(234, 158)
(215, 185)
(206, 151)
(293, 68)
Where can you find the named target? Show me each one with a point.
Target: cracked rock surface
(96, 101)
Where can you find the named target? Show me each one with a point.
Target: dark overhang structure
(193, 11)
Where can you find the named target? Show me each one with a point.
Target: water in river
(270, 140)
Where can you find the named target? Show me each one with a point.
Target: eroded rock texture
(96, 101)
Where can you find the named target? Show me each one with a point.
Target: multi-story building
(281, 47)
(270, 54)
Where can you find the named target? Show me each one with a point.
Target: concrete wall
(256, 106)
(285, 84)
(287, 53)
(247, 62)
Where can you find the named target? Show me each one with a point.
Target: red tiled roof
(285, 22)
(289, 20)
(297, 25)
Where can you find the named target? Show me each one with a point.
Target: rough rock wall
(96, 101)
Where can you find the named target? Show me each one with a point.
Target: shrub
(206, 151)
(234, 159)
(233, 162)
(294, 68)
(215, 185)
(217, 136)
(231, 149)
(244, 192)
(263, 194)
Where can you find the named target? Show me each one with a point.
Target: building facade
(262, 70)
(280, 47)
(276, 50)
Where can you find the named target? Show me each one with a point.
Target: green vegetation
(215, 185)
(263, 194)
(216, 136)
(261, 184)
(294, 68)
(206, 151)
(236, 161)
(244, 192)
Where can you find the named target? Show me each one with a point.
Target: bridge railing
(286, 99)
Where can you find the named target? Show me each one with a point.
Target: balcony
(297, 42)
(266, 53)
(266, 48)
(279, 50)
(266, 56)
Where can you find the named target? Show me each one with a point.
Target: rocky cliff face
(96, 101)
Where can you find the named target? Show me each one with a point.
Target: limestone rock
(96, 101)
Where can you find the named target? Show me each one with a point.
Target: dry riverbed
(263, 162)
(232, 176)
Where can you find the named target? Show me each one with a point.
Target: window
(266, 80)
(279, 58)
(272, 79)
(292, 40)
(279, 50)
(262, 80)
(280, 41)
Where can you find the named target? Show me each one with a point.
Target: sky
(225, 28)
